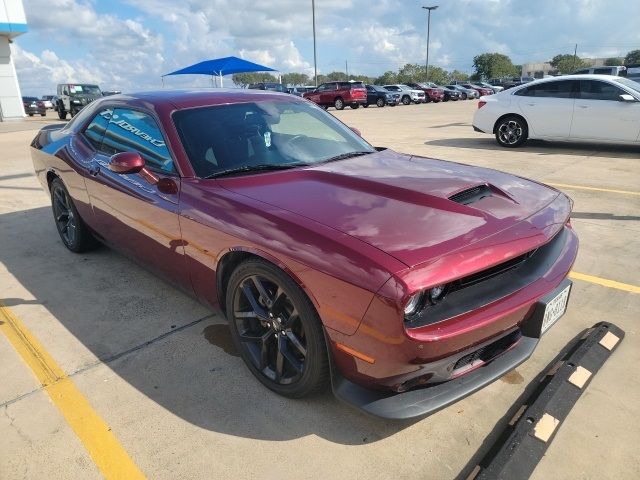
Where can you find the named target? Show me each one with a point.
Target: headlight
(437, 293)
(413, 304)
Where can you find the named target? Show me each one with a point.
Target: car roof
(581, 76)
(202, 97)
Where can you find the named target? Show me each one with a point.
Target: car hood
(401, 204)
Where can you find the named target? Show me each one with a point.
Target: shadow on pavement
(162, 342)
(542, 147)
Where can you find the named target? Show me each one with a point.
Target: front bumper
(429, 399)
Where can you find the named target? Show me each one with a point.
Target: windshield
(84, 90)
(258, 134)
(633, 85)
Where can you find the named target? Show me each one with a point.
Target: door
(548, 107)
(601, 114)
(138, 213)
(327, 94)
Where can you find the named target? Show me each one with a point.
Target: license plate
(555, 309)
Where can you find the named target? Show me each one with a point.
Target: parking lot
(161, 371)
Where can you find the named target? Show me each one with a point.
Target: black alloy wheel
(380, 102)
(511, 131)
(73, 232)
(276, 330)
(338, 103)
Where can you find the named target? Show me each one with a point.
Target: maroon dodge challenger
(405, 282)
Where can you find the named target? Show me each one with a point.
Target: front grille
(471, 195)
(493, 271)
(486, 353)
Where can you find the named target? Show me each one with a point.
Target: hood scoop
(472, 195)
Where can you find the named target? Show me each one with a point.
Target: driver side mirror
(126, 162)
(625, 97)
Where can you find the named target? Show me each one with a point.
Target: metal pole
(315, 61)
(575, 57)
(428, 33)
(346, 67)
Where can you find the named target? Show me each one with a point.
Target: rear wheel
(365, 105)
(511, 131)
(73, 232)
(355, 105)
(338, 103)
(380, 102)
(276, 330)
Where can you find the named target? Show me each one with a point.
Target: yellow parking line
(604, 282)
(580, 187)
(94, 433)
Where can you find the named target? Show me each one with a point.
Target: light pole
(428, 31)
(315, 62)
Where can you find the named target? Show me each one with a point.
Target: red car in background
(433, 93)
(405, 282)
(338, 94)
(483, 91)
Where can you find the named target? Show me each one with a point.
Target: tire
(427, 98)
(43, 114)
(280, 336)
(30, 114)
(380, 102)
(62, 114)
(74, 112)
(406, 100)
(355, 106)
(463, 96)
(72, 230)
(511, 131)
(338, 103)
(365, 105)
(445, 99)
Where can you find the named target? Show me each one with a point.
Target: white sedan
(590, 108)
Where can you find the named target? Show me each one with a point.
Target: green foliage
(494, 65)
(613, 61)
(387, 78)
(566, 63)
(295, 79)
(458, 76)
(632, 57)
(244, 79)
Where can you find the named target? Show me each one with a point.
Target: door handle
(583, 106)
(93, 171)
(531, 104)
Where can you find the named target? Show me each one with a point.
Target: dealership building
(13, 22)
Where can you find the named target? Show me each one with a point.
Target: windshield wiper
(263, 167)
(344, 156)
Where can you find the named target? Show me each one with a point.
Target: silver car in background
(407, 94)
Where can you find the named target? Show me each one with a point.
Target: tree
(613, 61)
(245, 79)
(632, 57)
(387, 78)
(494, 65)
(566, 63)
(458, 76)
(295, 79)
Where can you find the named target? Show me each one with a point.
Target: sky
(128, 44)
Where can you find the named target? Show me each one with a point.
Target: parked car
(338, 94)
(465, 93)
(404, 281)
(298, 91)
(594, 108)
(271, 86)
(48, 100)
(516, 81)
(451, 93)
(495, 88)
(407, 94)
(33, 105)
(73, 97)
(377, 95)
(617, 71)
(433, 93)
(633, 72)
(481, 90)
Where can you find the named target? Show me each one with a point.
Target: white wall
(10, 97)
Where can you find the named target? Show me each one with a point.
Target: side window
(596, 90)
(558, 89)
(322, 87)
(131, 130)
(602, 71)
(98, 126)
(526, 91)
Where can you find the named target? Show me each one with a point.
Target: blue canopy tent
(221, 66)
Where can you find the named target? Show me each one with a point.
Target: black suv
(379, 96)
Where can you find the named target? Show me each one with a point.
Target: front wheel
(276, 330)
(406, 100)
(62, 113)
(365, 105)
(338, 103)
(73, 232)
(380, 102)
(511, 131)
